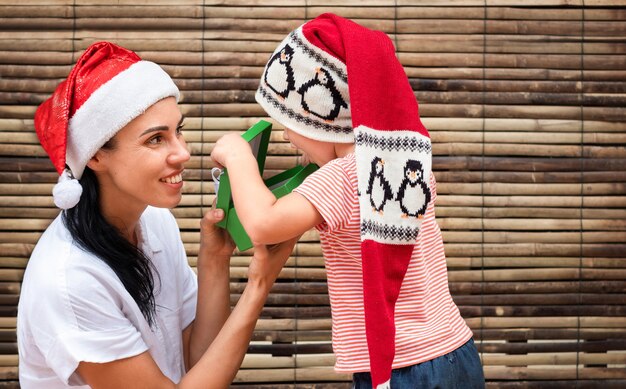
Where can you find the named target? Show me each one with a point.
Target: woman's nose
(285, 136)
(180, 152)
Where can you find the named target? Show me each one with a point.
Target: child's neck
(343, 149)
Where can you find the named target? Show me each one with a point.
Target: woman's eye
(155, 140)
(179, 130)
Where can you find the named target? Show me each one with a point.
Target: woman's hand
(228, 148)
(268, 261)
(215, 242)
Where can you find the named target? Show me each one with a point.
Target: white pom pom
(67, 191)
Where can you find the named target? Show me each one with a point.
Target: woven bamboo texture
(526, 104)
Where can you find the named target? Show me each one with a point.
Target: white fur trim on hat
(111, 107)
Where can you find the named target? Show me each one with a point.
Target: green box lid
(281, 184)
(258, 136)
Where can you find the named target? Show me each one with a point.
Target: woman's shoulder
(55, 249)
(57, 259)
(59, 269)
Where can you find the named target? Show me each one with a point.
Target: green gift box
(281, 184)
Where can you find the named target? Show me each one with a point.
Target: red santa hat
(336, 81)
(108, 87)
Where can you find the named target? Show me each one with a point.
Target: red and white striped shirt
(428, 323)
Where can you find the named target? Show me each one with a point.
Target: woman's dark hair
(94, 234)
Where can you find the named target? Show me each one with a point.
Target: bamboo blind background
(525, 101)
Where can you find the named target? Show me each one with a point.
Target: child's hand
(228, 148)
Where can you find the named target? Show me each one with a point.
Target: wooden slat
(524, 101)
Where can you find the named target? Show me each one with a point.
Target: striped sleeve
(332, 193)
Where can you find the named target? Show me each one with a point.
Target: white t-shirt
(74, 308)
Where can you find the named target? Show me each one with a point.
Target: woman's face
(145, 165)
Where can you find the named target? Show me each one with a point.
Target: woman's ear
(96, 163)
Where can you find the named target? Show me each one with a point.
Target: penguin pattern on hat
(317, 92)
(396, 183)
(414, 194)
(378, 187)
(278, 75)
(306, 89)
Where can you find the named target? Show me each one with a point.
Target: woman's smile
(174, 179)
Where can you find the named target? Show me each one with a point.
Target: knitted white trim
(111, 107)
(391, 204)
(384, 385)
(289, 111)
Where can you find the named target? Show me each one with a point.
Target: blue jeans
(459, 369)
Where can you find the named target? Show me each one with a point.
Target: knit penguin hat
(336, 81)
(108, 87)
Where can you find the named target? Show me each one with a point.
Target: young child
(345, 101)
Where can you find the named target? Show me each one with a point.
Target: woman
(108, 299)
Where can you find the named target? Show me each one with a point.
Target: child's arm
(265, 219)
